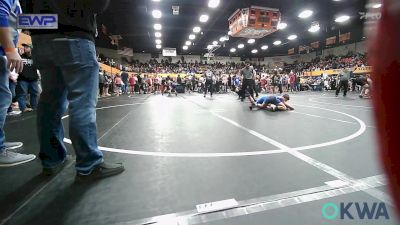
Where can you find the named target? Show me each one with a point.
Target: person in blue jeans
(9, 60)
(66, 59)
(28, 82)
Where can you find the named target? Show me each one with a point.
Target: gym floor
(186, 150)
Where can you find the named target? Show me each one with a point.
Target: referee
(248, 80)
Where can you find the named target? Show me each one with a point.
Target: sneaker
(14, 113)
(273, 108)
(102, 170)
(9, 158)
(13, 145)
(251, 107)
(51, 171)
(360, 96)
(28, 110)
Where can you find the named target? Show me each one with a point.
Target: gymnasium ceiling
(133, 21)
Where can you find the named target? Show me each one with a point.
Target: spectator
(10, 60)
(70, 78)
(28, 82)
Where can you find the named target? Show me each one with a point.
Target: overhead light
(203, 18)
(158, 41)
(254, 51)
(264, 47)
(377, 6)
(305, 14)
(156, 0)
(314, 28)
(292, 37)
(209, 47)
(196, 29)
(158, 46)
(222, 39)
(282, 26)
(213, 3)
(157, 26)
(251, 41)
(192, 37)
(337, 0)
(188, 43)
(215, 42)
(233, 49)
(185, 47)
(277, 42)
(229, 32)
(240, 45)
(156, 14)
(157, 34)
(342, 19)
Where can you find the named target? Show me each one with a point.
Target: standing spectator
(107, 83)
(10, 60)
(292, 80)
(124, 77)
(118, 84)
(28, 82)
(101, 83)
(132, 82)
(69, 70)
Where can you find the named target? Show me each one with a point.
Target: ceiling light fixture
(292, 37)
(222, 39)
(196, 29)
(254, 51)
(203, 18)
(282, 26)
(188, 43)
(192, 37)
(233, 50)
(305, 14)
(185, 47)
(314, 28)
(157, 26)
(215, 42)
(157, 34)
(251, 41)
(158, 41)
(240, 45)
(277, 42)
(342, 19)
(377, 6)
(156, 14)
(213, 3)
(158, 46)
(264, 47)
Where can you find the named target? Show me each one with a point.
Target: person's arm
(14, 60)
(288, 106)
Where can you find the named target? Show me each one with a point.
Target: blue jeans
(70, 79)
(5, 99)
(23, 88)
(11, 86)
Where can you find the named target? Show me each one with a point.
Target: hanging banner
(315, 45)
(344, 37)
(331, 40)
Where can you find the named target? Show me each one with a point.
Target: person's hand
(14, 61)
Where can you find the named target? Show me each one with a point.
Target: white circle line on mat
(327, 103)
(360, 131)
